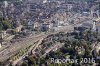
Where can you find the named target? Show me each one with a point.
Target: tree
(24, 64)
(1, 64)
(6, 24)
(1, 26)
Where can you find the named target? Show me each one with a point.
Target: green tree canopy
(6, 24)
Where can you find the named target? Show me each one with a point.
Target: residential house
(46, 26)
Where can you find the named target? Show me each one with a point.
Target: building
(3, 34)
(94, 26)
(18, 29)
(0, 45)
(31, 25)
(37, 24)
(6, 4)
(36, 1)
(86, 13)
(94, 14)
(98, 26)
(44, 1)
(69, 6)
(46, 26)
(89, 25)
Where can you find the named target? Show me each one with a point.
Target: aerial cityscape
(49, 32)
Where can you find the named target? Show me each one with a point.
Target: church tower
(94, 26)
(44, 1)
